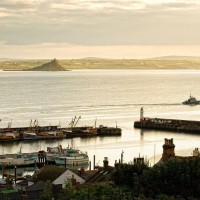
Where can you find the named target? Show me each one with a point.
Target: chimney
(24, 195)
(105, 162)
(82, 170)
(168, 149)
(73, 180)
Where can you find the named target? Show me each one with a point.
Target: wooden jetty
(177, 125)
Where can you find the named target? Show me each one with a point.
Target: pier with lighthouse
(177, 125)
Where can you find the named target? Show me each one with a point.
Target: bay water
(114, 97)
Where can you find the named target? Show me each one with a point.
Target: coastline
(112, 64)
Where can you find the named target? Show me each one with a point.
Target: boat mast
(95, 123)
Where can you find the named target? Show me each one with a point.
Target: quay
(37, 132)
(86, 131)
(176, 125)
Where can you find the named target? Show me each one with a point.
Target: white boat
(17, 160)
(52, 152)
(72, 157)
(30, 136)
(68, 156)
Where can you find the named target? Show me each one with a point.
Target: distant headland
(29, 65)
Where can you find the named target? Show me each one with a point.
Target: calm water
(111, 96)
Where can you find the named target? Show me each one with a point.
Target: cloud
(67, 51)
(100, 22)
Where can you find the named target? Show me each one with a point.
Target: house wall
(66, 177)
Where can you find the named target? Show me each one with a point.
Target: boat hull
(18, 162)
(76, 161)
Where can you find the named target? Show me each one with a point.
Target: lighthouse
(141, 114)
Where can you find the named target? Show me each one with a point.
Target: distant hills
(166, 62)
(175, 58)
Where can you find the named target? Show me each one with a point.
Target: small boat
(191, 101)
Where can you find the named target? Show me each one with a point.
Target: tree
(47, 193)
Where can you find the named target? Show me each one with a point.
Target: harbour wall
(61, 133)
(187, 126)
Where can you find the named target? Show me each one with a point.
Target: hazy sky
(100, 28)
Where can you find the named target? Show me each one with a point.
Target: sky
(99, 28)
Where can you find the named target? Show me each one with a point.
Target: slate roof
(48, 172)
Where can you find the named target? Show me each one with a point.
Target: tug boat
(191, 101)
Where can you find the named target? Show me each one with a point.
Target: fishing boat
(9, 136)
(18, 160)
(29, 135)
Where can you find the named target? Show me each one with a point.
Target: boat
(108, 131)
(67, 156)
(72, 157)
(52, 152)
(29, 135)
(191, 101)
(18, 160)
(9, 136)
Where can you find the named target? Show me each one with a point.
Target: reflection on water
(20, 172)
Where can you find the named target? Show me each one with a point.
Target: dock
(175, 125)
(36, 132)
(88, 131)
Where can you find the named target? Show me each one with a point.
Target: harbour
(55, 132)
(99, 100)
(22, 102)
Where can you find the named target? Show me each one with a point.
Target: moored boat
(9, 136)
(18, 160)
(68, 156)
(29, 135)
(72, 157)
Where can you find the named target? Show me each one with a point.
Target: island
(50, 66)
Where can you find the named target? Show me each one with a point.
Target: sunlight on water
(113, 96)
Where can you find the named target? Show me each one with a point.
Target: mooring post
(94, 162)
(35, 165)
(66, 163)
(2, 170)
(15, 174)
(90, 165)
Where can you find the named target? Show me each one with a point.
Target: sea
(113, 98)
